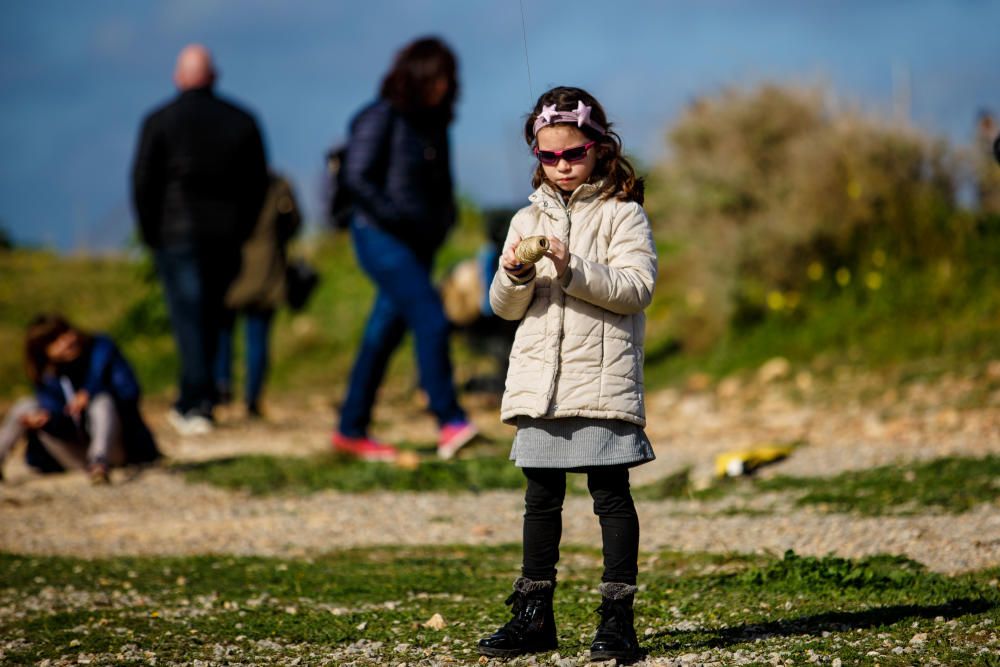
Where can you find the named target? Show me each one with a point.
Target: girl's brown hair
(620, 179)
(415, 71)
(43, 330)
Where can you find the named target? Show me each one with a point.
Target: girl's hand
(509, 261)
(559, 254)
(78, 403)
(35, 420)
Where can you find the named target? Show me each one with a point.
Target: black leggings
(613, 504)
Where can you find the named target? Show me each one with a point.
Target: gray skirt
(579, 442)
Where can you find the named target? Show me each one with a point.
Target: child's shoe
(363, 448)
(615, 638)
(98, 474)
(454, 436)
(533, 626)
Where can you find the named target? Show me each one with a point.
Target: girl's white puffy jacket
(578, 351)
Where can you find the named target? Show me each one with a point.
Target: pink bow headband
(580, 116)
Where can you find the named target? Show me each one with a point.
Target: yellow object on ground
(742, 462)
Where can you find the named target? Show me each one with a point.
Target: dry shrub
(760, 185)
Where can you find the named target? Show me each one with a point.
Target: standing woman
(397, 171)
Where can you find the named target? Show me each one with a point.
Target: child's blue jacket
(107, 372)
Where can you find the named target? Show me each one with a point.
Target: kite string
(527, 63)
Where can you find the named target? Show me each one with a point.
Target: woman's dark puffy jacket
(398, 171)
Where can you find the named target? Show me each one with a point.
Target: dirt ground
(846, 424)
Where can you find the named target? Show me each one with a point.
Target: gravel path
(158, 513)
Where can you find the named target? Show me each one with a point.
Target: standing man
(199, 180)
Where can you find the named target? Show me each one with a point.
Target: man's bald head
(194, 68)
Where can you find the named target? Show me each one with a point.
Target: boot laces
(521, 609)
(614, 615)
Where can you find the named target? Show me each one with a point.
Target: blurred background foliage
(793, 228)
(786, 227)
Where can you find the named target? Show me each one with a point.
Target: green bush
(772, 203)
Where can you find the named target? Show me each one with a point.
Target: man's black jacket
(200, 173)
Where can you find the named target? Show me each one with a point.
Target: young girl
(575, 383)
(85, 412)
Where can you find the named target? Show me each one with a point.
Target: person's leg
(543, 504)
(222, 366)
(383, 334)
(217, 267)
(609, 487)
(405, 279)
(258, 328)
(11, 429)
(105, 428)
(182, 285)
(58, 450)
(615, 637)
(532, 627)
(70, 454)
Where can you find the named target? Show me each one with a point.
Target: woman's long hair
(43, 330)
(414, 73)
(620, 179)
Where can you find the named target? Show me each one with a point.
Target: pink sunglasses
(574, 154)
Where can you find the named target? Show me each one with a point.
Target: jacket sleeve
(289, 214)
(148, 174)
(110, 372)
(365, 164)
(510, 300)
(255, 177)
(625, 285)
(49, 395)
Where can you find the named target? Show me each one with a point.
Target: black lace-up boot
(532, 627)
(615, 638)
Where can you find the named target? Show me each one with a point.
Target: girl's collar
(546, 195)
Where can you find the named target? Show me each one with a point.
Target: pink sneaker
(454, 436)
(365, 449)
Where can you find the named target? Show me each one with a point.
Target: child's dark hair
(43, 330)
(620, 179)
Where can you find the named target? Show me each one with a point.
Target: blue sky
(76, 79)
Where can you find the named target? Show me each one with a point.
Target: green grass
(950, 484)
(261, 474)
(887, 330)
(119, 297)
(367, 606)
(311, 350)
(953, 484)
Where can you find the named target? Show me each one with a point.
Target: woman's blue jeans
(406, 300)
(257, 326)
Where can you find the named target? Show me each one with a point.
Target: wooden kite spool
(531, 249)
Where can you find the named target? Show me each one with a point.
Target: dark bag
(300, 282)
(340, 205)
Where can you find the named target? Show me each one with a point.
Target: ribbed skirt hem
(579, 442)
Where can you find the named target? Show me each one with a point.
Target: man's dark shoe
(615, 638)
(532, 627)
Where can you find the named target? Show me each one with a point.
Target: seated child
(85, 411)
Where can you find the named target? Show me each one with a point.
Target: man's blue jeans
(406, 299)
(192, 317)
